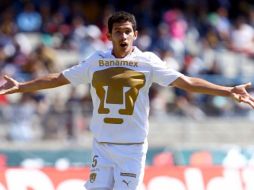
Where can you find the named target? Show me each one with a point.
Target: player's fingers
(8, 91)
(2, 92)
(251, 103)
(252, 98)
(247, 85)
(6, 77)
(247, 100)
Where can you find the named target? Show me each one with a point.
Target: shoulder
(96, 56)
(103, 54)
(147, 56)
(152, 56)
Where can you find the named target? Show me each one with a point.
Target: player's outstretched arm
(238, 93)
(11, 86)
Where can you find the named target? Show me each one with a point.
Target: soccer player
(120, 79)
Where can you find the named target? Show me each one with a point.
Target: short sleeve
(79, 74)
(162, 74)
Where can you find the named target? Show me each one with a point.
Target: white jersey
(119, 90)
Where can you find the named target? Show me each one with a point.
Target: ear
(109, 36)
(135, 35)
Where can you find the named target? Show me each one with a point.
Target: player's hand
(10, 86)
(240, 94)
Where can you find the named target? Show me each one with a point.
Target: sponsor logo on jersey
(126, 182)
(117, 63)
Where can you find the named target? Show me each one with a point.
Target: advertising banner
(162, 178)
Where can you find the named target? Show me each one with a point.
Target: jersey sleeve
(162, 74)
(79, 74)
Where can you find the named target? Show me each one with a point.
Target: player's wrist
(230, 91)
(20, 87)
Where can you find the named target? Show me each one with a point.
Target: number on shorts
(95, 161)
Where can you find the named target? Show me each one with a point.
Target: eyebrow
(125, 27)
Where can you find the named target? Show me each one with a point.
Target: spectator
(22, 126)
(220, 21)
(162, 39)
(145, 41)
(91, 41)
(242, 37)
(177, 26)
(201, 30)
(29, 20)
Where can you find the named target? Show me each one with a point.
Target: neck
(122, 54)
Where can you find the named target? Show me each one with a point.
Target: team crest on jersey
(117, 80)
(92, 177)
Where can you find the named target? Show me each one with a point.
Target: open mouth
(123, 44)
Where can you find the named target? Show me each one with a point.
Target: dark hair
(119, 17)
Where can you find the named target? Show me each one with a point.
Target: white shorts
(118, 167)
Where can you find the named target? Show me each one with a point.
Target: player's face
(122, 38)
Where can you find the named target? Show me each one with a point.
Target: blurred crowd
(210, 39)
